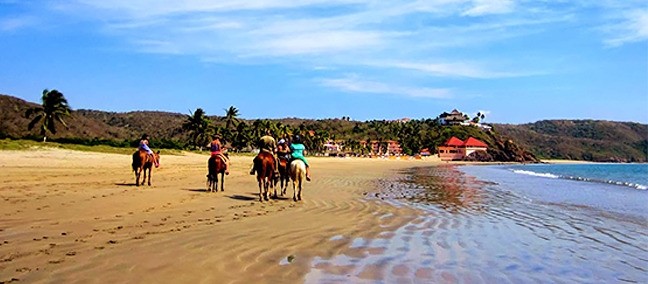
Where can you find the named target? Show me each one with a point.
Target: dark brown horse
(142, 162)
(284, 178)
(264, 166)
(215, 165)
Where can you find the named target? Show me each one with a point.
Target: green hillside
(557, 139)
(589, 140)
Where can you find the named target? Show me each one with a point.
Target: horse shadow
(125, 184)
(196, 189)
(242, 197)
(256, 196)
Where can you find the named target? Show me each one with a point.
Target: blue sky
(518, 61)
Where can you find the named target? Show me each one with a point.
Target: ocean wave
(577, 178)
(530, 173)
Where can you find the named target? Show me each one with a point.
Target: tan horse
(142, 162)
(215, 165)
(297, 174)
(264, 166)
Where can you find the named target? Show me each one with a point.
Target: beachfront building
(451, 149)
(455, 117)
(456, 149)
(332, 148)
(472, 145)
(389, 147)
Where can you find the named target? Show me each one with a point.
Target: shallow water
(478, 231)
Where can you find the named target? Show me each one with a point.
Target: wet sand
(68, 216)
(476, 231)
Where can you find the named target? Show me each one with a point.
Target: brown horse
(264, 166)
(284, 178)
(216, 166)
(142, 161)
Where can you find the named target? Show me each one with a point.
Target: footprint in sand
(56, 261)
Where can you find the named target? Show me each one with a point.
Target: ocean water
(508, 224)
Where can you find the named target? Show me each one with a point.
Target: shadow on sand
(196, 189)
(125, 184)
(243, 197)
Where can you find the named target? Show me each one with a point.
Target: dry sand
(68, 216)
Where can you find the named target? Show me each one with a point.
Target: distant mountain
(589, 140)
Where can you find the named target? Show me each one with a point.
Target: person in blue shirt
(297, 149)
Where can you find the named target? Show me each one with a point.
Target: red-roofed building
(472, 145)
(451, 149)
(455, 149)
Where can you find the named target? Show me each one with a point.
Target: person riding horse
(269, 145)
(143, 146)
(297, 149)
(216, 149)
(283, 151)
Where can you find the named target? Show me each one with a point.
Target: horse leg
(274, 187)
(149, 176)
(222, 181)
(260, 190)
(266, 186)
(300, 189)
(294, 184)
(284, 185)
(137, 176)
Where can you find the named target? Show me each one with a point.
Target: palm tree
(231, 117)
(53, 108)
(197, 125)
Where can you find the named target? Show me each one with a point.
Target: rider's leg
(308, 178)
(226, 161)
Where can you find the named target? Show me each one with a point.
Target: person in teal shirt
(297, 152)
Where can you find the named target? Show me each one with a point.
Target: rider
(143, 146)
(283, 151)
(269, 145)
(216, 149)
(298, 149)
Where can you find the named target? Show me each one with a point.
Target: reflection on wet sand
(476, 232)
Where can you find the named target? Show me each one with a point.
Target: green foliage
(556, 139)
(590, 140)
(53, 109)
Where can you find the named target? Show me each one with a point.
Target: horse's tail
(211, 165)
(137, 161)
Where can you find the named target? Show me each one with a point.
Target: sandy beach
(71, 216)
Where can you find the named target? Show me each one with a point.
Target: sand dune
(70, 216)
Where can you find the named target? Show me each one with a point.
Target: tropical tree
(479, 117)
(54, 107)
(198, 125)
(231, 117)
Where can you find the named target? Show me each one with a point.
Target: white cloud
(487, 7)
(465, 70)
(354, 85)
(632, 28)
(412, 35)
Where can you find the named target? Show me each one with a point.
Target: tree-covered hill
(560, 139)
(589, 140)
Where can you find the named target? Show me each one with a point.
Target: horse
(215, 165)
(297, 174)
(264, 166)
(284, 178)
(142, 161)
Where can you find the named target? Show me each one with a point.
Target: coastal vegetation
(579, 140)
